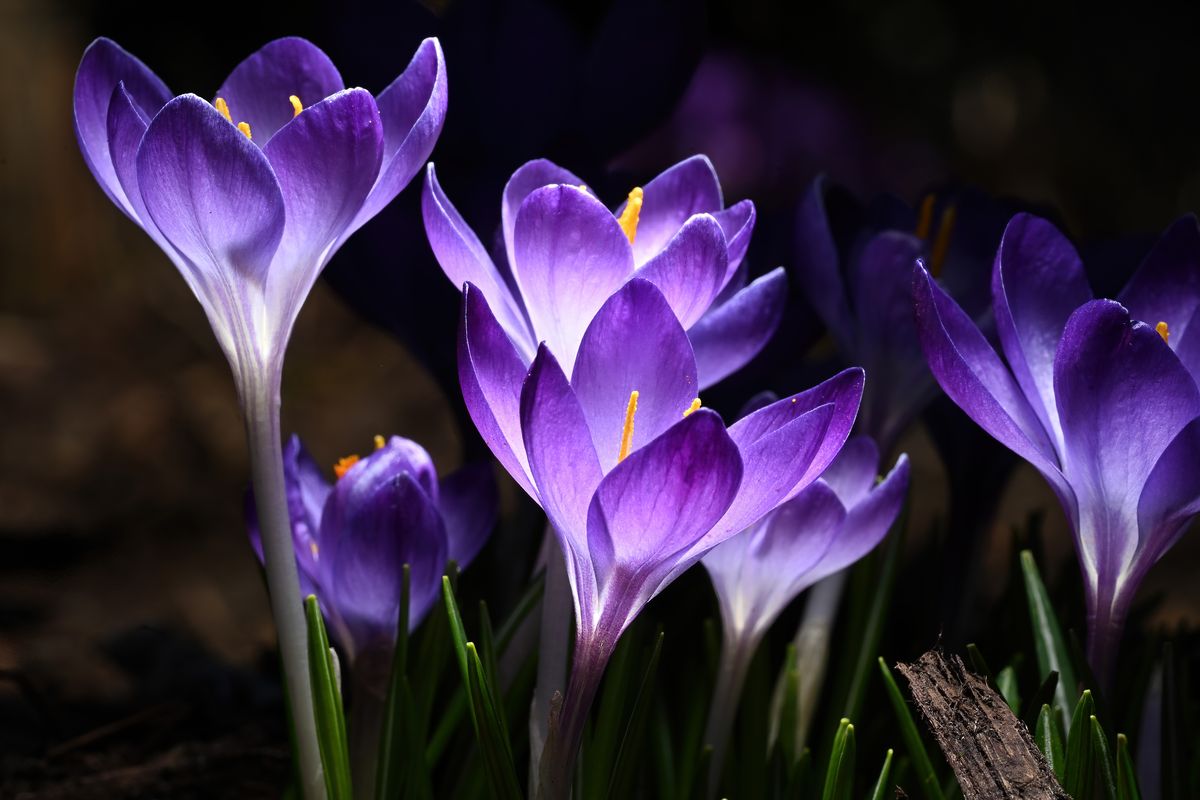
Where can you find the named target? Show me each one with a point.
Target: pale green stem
(737, 650)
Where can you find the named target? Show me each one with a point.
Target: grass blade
(883, 784)
(1048, 641)
(1103, 760)
(327, 697)
(1081, 755)
(912, 737)
(635, 729)
(839, 777)
(1127, 787)
(1048, 736)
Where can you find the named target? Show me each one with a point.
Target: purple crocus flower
(249, 196)
(637, 480)
(352, 536)
(825, 528)
(565, 253)
(1099, 396)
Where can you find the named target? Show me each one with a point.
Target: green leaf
(1127, 787)
(839, 776)
(883, 784)
(1104, 764)
(1006, 683)
(1048, 735)
(632, 741)
(327, 700)
(400, 741)
(428, 668)
(1044, 696)
(912, 737)
(1081, 754)
(1048, 641)
(789, 712)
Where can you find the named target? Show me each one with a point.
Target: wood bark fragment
(989, 749)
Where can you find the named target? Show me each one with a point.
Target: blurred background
(129, 598)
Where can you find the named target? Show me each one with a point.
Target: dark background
(124, 570)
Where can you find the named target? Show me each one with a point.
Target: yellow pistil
(220, 105)
(244, 127)
(941, 245)
(343, 465)
(925, 220)
(379, 442)
(296, 107)
(629, 217)
(627, 431)
(1163, 331)
(695, 406)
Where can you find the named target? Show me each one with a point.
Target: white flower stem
(260, 404)
(737, 650)
(554, 642)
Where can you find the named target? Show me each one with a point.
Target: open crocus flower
(566, 253)
(1099, 396)
(855, 269)
(251, 194)
(388, 509)
(825, 528)
(637, 480)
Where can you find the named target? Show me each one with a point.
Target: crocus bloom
(566, 253)
(637, 480)
(352, 536)
(825, 528)
(1099, 396)
(249, 196)
(858, 282)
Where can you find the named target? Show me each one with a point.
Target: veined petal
(852, 473)
(614, 360)
(867, 522)
(1169, 500)
(728, 336)
(326, 161)
(1123, 397)
(670, 199)
(126, 126)
(737, 222)
(1166, 287)
(258, 89)
(818, 267)
(691, 269)
(1037, 282)
(658, 503)
(464, 260)
(529, 176)
(104, 65)
(469, 503)
(570, 255)
(413, 109)
(491, 373)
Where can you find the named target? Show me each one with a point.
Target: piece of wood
(990, 750)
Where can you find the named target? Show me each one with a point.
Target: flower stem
(567, 726)
(1106, 624)
(260, 404)
(553, 647)
(366, 722)
(737, 650)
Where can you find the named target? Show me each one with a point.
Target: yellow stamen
(296, 107)
(941, 245)
(343, 465)
(223, 107)
(312, 546)
(629, 217)
(244, 127)
(1163, 331)
(925, 220)
(695, 406)
(379, 442)
(627, 431)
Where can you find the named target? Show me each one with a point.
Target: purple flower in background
(856, 274)
(637, 480)
(565, 253)
(825, 528)
(1099, 396)
(251, 194)
(352, 536)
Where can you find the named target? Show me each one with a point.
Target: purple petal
(1166, 287)
(737, 223)
(402, 455)
(469, 505)
(326, 161)
(464, 260)
(973, 376)
(614, 361)
(1038, 280)
(1169, 500)
(818, 268)
(413, 110)
(670, 199)
(126, 127)
(491, 373)
(1122, 397)
(691, 269)
(658, 503)
(258, 89)
(529, 176)
(728, 336)
(104, 65)
(852, 473)
(867, 522)
(1187, 347)
(570, 255)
